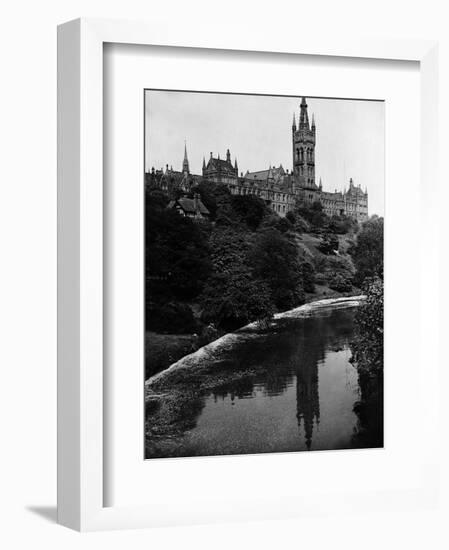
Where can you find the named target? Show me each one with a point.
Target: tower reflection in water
(310, 353)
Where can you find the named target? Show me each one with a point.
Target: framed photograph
(235, 276)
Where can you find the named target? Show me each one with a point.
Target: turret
(228, 156)
(313, 124)
(294, 123)
(236, 166)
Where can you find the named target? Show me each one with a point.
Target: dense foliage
(246, 263)
(368, 251)
(232, 297)
(367, 355)
(177, 264)
(368, 344)
(275, 261)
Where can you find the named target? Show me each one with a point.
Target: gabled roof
(188, 205)
(263, 175)
(220, 165)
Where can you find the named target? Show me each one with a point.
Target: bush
(335, 271)
(308, 276)
(340, 283)
(329, 244)
(273, 221)
(301, 225)
(171, 318)
(341, 225)
(291, 217)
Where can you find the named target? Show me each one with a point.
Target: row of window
(278, 208)
(308, 154)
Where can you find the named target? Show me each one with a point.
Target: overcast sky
(257, 130)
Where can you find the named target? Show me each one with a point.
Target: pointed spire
(294, 122)
(204, 163)
(185, 164)
(304, 116)
(228, 156)
(236, 166)
(313, 122)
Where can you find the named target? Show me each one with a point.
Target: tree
(216, 197)
(232, 297)
(275, 261)
(314, 215)
(368, 251)
(249, 209)
(308, 276)
(176, 253)
(342, 224)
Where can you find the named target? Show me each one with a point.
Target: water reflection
(290, 389)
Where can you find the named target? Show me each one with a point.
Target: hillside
(205, 278)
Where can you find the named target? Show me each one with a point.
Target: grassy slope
(308, 248)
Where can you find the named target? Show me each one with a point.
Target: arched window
(297, 154)
(301, 155)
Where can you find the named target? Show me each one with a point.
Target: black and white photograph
(264, 253)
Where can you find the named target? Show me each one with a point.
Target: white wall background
(28, 267)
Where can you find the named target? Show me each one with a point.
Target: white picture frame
(81, 487)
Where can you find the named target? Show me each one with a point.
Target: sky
(350, 135)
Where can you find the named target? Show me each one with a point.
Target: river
(290, 387)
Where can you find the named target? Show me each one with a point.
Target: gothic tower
(185, 163)
(303, 140)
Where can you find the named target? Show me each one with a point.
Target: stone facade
(280, 189)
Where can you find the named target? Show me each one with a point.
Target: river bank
(162, 350)
(245, 332)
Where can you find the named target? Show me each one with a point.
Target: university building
(281, 189)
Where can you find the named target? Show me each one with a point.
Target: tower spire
(304, 116)
(294, 123)
(185, 163)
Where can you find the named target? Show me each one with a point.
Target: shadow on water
(289, 388)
